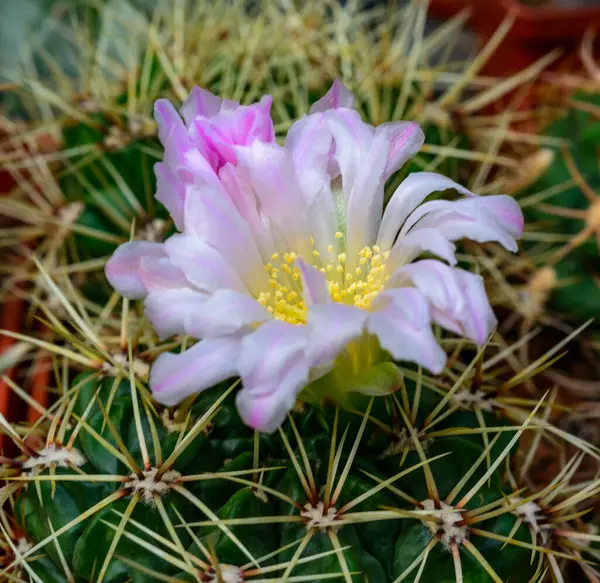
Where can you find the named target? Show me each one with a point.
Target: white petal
(239, 191)
(159, 273)
(200, 102)
(310, 140)
(481, 219)
(215, 221)
(225, 312)
(409, 247)
(401, 321)
(123, 268)
(314, 285)
(270, 172)
(352, 136)
(173, 377)
(274, 370)
(330, 328)
(365, 201)
(337, 96)
(406, 139)
(458, 298)
(202, 265)
(413, 190)
(170, 311)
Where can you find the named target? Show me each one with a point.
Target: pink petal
(361, 155)
(351, 137)
(330, 328)
(170, 311)
(310, 141)
(123, 269)
(173, 377)
(223, 313)
(213, 219)
(337, 96)
(457, 297)
(159, 273)
(170, 125)
(273, 370)
(238, 189)
(200, 102)
(170, 191)
(365, 200)
(409, 247)
(401, 321)
(203, 266)
(413, 190)
(314, 285)
(406, 139)
(269, 172)
(481, 219)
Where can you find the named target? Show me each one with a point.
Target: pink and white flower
(287, 260)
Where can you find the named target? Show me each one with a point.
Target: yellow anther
(358, 287)
(339, 235)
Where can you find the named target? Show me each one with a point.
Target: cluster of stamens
(284, 300)
(356, 286)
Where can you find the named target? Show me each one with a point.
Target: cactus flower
(287, 262)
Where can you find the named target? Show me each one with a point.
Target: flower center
(284, 299)
(356, 286)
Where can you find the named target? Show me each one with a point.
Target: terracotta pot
(12, 314)
(535, 31)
